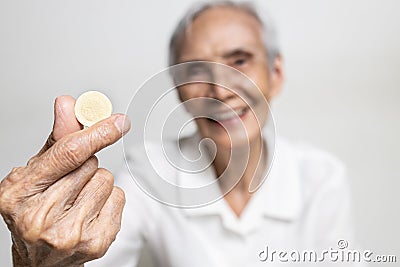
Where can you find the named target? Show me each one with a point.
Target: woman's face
(232, 109)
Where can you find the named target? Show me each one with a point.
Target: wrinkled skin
(61, 209)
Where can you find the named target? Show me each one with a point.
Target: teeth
(229, 114)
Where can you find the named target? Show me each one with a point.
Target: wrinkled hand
(61, 209)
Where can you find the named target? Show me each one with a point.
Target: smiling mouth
(231, 116)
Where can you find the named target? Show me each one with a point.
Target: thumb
(65, 121)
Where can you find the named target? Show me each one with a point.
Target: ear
(276, 77)
(179, 93)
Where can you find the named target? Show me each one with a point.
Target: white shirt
(304, 204)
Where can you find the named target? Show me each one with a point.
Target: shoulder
(312, 159)
(141, 171)
(317, 169)
(149, 169)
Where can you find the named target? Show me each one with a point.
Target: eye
(197, 72)
(240, 62)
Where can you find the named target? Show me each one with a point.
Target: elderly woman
(62, 210)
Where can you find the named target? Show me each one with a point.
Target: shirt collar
(279, 197)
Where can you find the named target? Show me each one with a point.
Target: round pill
(91, 107)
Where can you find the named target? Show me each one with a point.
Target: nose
(218, 91)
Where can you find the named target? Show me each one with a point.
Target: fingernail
(123, 124)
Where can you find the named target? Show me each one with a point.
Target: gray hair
(269, 33)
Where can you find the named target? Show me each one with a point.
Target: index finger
(73, 150)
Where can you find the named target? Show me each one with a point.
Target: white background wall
(341, 94)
